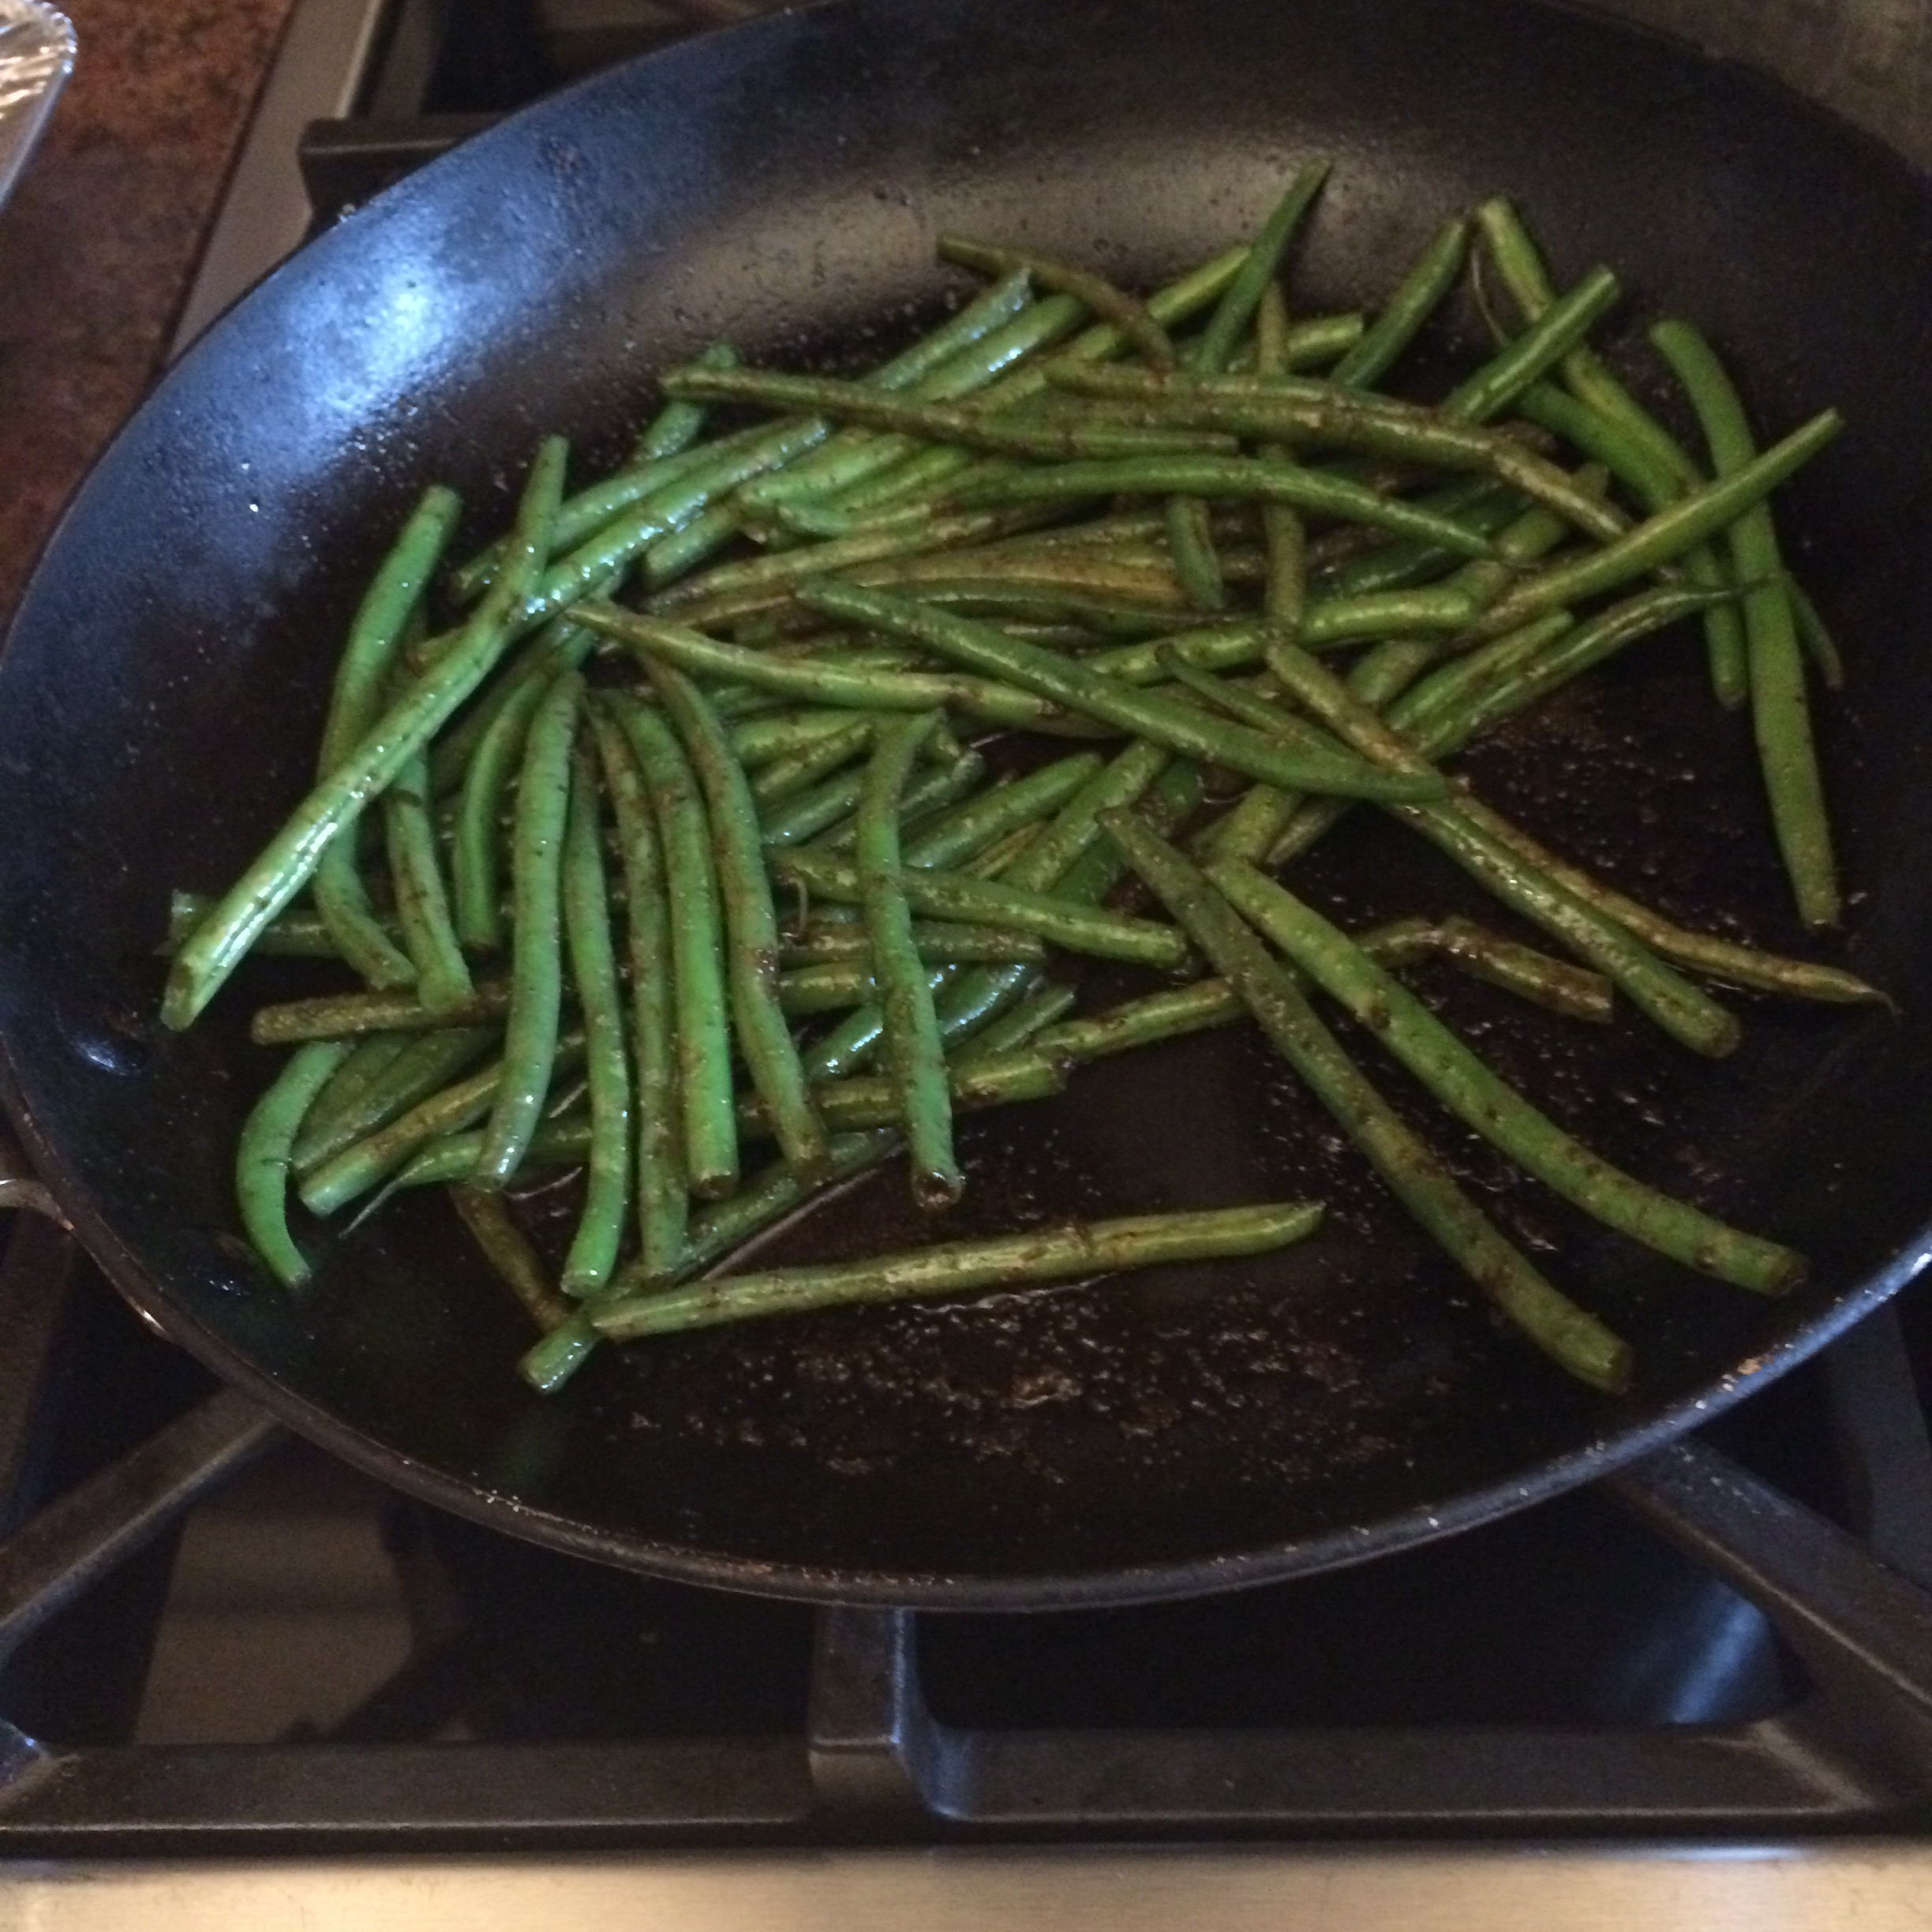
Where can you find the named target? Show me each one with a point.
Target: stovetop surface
(1649, 1684)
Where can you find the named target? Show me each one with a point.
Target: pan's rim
(1618, 1446)
(1118, 1587)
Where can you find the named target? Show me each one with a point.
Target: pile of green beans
(683, 851)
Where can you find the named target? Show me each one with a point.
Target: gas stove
(236, 1677)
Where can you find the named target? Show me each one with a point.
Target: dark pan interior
(781, 186)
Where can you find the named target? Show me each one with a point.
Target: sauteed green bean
(684, 856)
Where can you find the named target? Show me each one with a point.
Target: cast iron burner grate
(1687, 1649)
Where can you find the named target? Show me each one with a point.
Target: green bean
(1667, 534)
(1284, 537)
(1470, 694)
(1266, 817)
(376, 631)
(1322, 338)
(1162, 610)
(1478, 840)
(1278, 826)
(1001, 852)
(1234, 700)
(421, 903)
(923, 804)
(949, 1267)
(1191, 538)
(701, 1031)
(564, 1349)
(1819, 645)
(1417, 298)
(1571, 990)
(1087, 555)
(1656, 485)
(731, 591)
(667, 515)
(912, 1048)
(347, 1089)
(1175, 1012)
(1009, 1031)
(810, 813)
(1308, 411)
(940, 422)
(836, 985)
(784, 777)
(939, 943)
(589, 510)
(931, 470)
(263, 1159)
(1236, 307)
(1347, 563)
(1414, 1174)
(1514, 255)
(558, 1143)
(1059, 845)
(374, 636)
(663, 1205)
(759, 741)
(972, 1085)
(966, 349)
(559, 646)
(476, 869)
(651, 639)
(1170, 1014)
(1632, 462)
(297, 935)
(1326, 624)
(727, 1225)
(1466, 832)
(284, 865)
(1251, 827)
(1042, 324)
(1547, 340)
(536, 954)
(1092, 291)
(672, 553)
(1069, 857)
(970, 827)
(1178, 726)
(959, 895)
(371, 1158)
(1460, 1080)
(377, 1085)
(750, 923)
(851, 455)
(1319, 492)
(677, 425)
(493, 1228)
(592, 1251)
(347, 1015)
(1780, 713)
(1719, 959)
(1073, 860)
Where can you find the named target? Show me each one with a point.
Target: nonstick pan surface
(780, 185)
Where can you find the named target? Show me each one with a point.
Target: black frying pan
(780, 185)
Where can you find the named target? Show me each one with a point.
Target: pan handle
(20, 1186)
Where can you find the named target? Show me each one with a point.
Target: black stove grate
(1685, 1650)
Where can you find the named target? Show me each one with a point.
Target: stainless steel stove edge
(1876, 1886)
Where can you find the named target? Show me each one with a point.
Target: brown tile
(98, 242)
